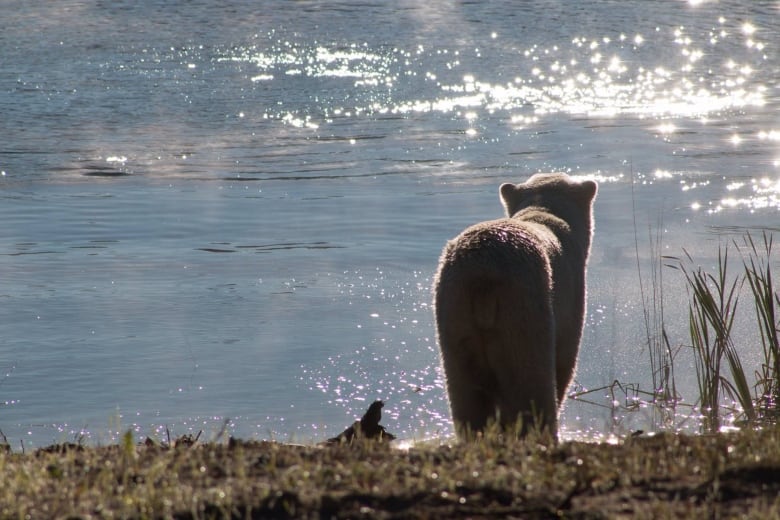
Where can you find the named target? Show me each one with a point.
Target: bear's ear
(587, 190)
(509, 193)
(506, 190)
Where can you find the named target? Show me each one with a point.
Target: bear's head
(556, 193)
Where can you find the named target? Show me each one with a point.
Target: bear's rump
(493, 270)
(494, 312)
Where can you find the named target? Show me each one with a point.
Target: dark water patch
(529, 153)
(607, 125)
(29, 248)
(434, 160)
(323, 197)
(724, 153)
(92, 196)
(215, 250)
(297, 177)
(349, 137)
(22, 253)
(104, 171)
(106, 174)
(265, 248)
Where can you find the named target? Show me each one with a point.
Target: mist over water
(232, 214)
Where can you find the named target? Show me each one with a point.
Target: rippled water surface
(230, 215)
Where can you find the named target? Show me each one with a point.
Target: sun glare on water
(592, 76)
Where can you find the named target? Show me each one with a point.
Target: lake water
(231, 213)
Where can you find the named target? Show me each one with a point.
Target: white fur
(509, 299)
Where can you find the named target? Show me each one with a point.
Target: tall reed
(758, 274)
(665, 397)
(712, 308)
(710, 318)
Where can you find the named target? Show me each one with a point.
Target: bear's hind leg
(523, 359)
(470, 401)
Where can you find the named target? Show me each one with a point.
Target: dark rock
(367, 427)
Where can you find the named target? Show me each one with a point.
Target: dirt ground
(666, 475)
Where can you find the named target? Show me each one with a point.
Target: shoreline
(665, 475)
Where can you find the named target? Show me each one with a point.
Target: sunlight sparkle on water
(772, 135)
(603, 90)
(595, 76)
(762, 193)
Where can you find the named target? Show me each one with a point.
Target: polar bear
(509, 300)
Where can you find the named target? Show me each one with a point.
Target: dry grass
(667, 475)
